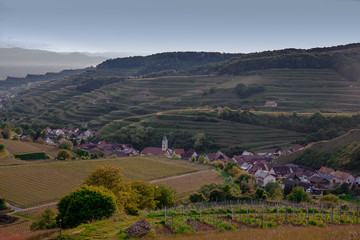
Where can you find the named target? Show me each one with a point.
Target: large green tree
(85, 204)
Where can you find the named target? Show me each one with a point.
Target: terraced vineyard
(225, 133)
(301, 90)
(36, 184)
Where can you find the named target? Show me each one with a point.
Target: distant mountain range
(18, 62)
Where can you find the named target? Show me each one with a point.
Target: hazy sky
(151, 26)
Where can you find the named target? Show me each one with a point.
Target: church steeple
(164, 143)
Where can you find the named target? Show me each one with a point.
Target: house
(306, 186)
(281, 171)
(180, 152)
(156, 151)
(246, 153)
(319, 182)
(246, 166)
(270, 104)
(358, 181)
(264, 178)
(325, 170)
(297, 148)
(341, 177)
(190, 154)
(217, 156)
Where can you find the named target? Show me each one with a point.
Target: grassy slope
(18, 147)
(330, 146)
(36, 184)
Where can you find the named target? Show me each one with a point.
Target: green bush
(182, 228)
(225, 226)
(32, 156)
(85, 204)
(64, 155)
(45, 221)
(2, 204)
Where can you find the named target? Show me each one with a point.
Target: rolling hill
(323, 79)
(341, 153)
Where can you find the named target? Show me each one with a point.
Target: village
(261, 165)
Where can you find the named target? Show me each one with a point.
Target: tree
(64, 155)
(6, 133)
(197, 197)
(66, 145)
(164, 196)
(298, 195)
(46, 220)
(83, 154)
(18, 131)
(112, 178)
(85, 204)
(329, 200)
(40, 140)
(271, 187)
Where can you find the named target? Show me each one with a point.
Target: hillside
(341, 153)
(18, 62)
(180, 127)
(125, 87)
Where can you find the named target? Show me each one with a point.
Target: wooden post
(200, 213)
(332, 214)
(285, 214)
(262, 219)
(313, 210)
(294, 210)
(165, 215)
(277, 212)
(307, 213)
(340, 212)
(247, 212)
(183, 214)
(232, 213)
(357, 214)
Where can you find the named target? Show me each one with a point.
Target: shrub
(85, 204)
(2, 147)
(329, 200)
(64, 155)
(6, 133)
(2, 204)
(66, 145)
(298, 195)
(225, 226)
(182, 228)
(45, 221)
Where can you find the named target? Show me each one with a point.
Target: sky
(153, 26)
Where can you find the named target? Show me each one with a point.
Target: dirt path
(17, 209)
(180, 176)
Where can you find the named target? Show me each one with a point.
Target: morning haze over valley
(179, 119)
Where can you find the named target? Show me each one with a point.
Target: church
(156, 151)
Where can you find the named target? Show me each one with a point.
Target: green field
(36, 184)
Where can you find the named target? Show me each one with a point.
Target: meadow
(41, 183)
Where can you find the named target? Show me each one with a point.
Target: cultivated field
(18, 147)
(36, 184)
(191, 182)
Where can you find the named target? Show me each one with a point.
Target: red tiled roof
(325, 170)
(153, 151)
(179, 151)
(341, 175)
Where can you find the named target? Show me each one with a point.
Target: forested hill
(343, 59)
(171, 61)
